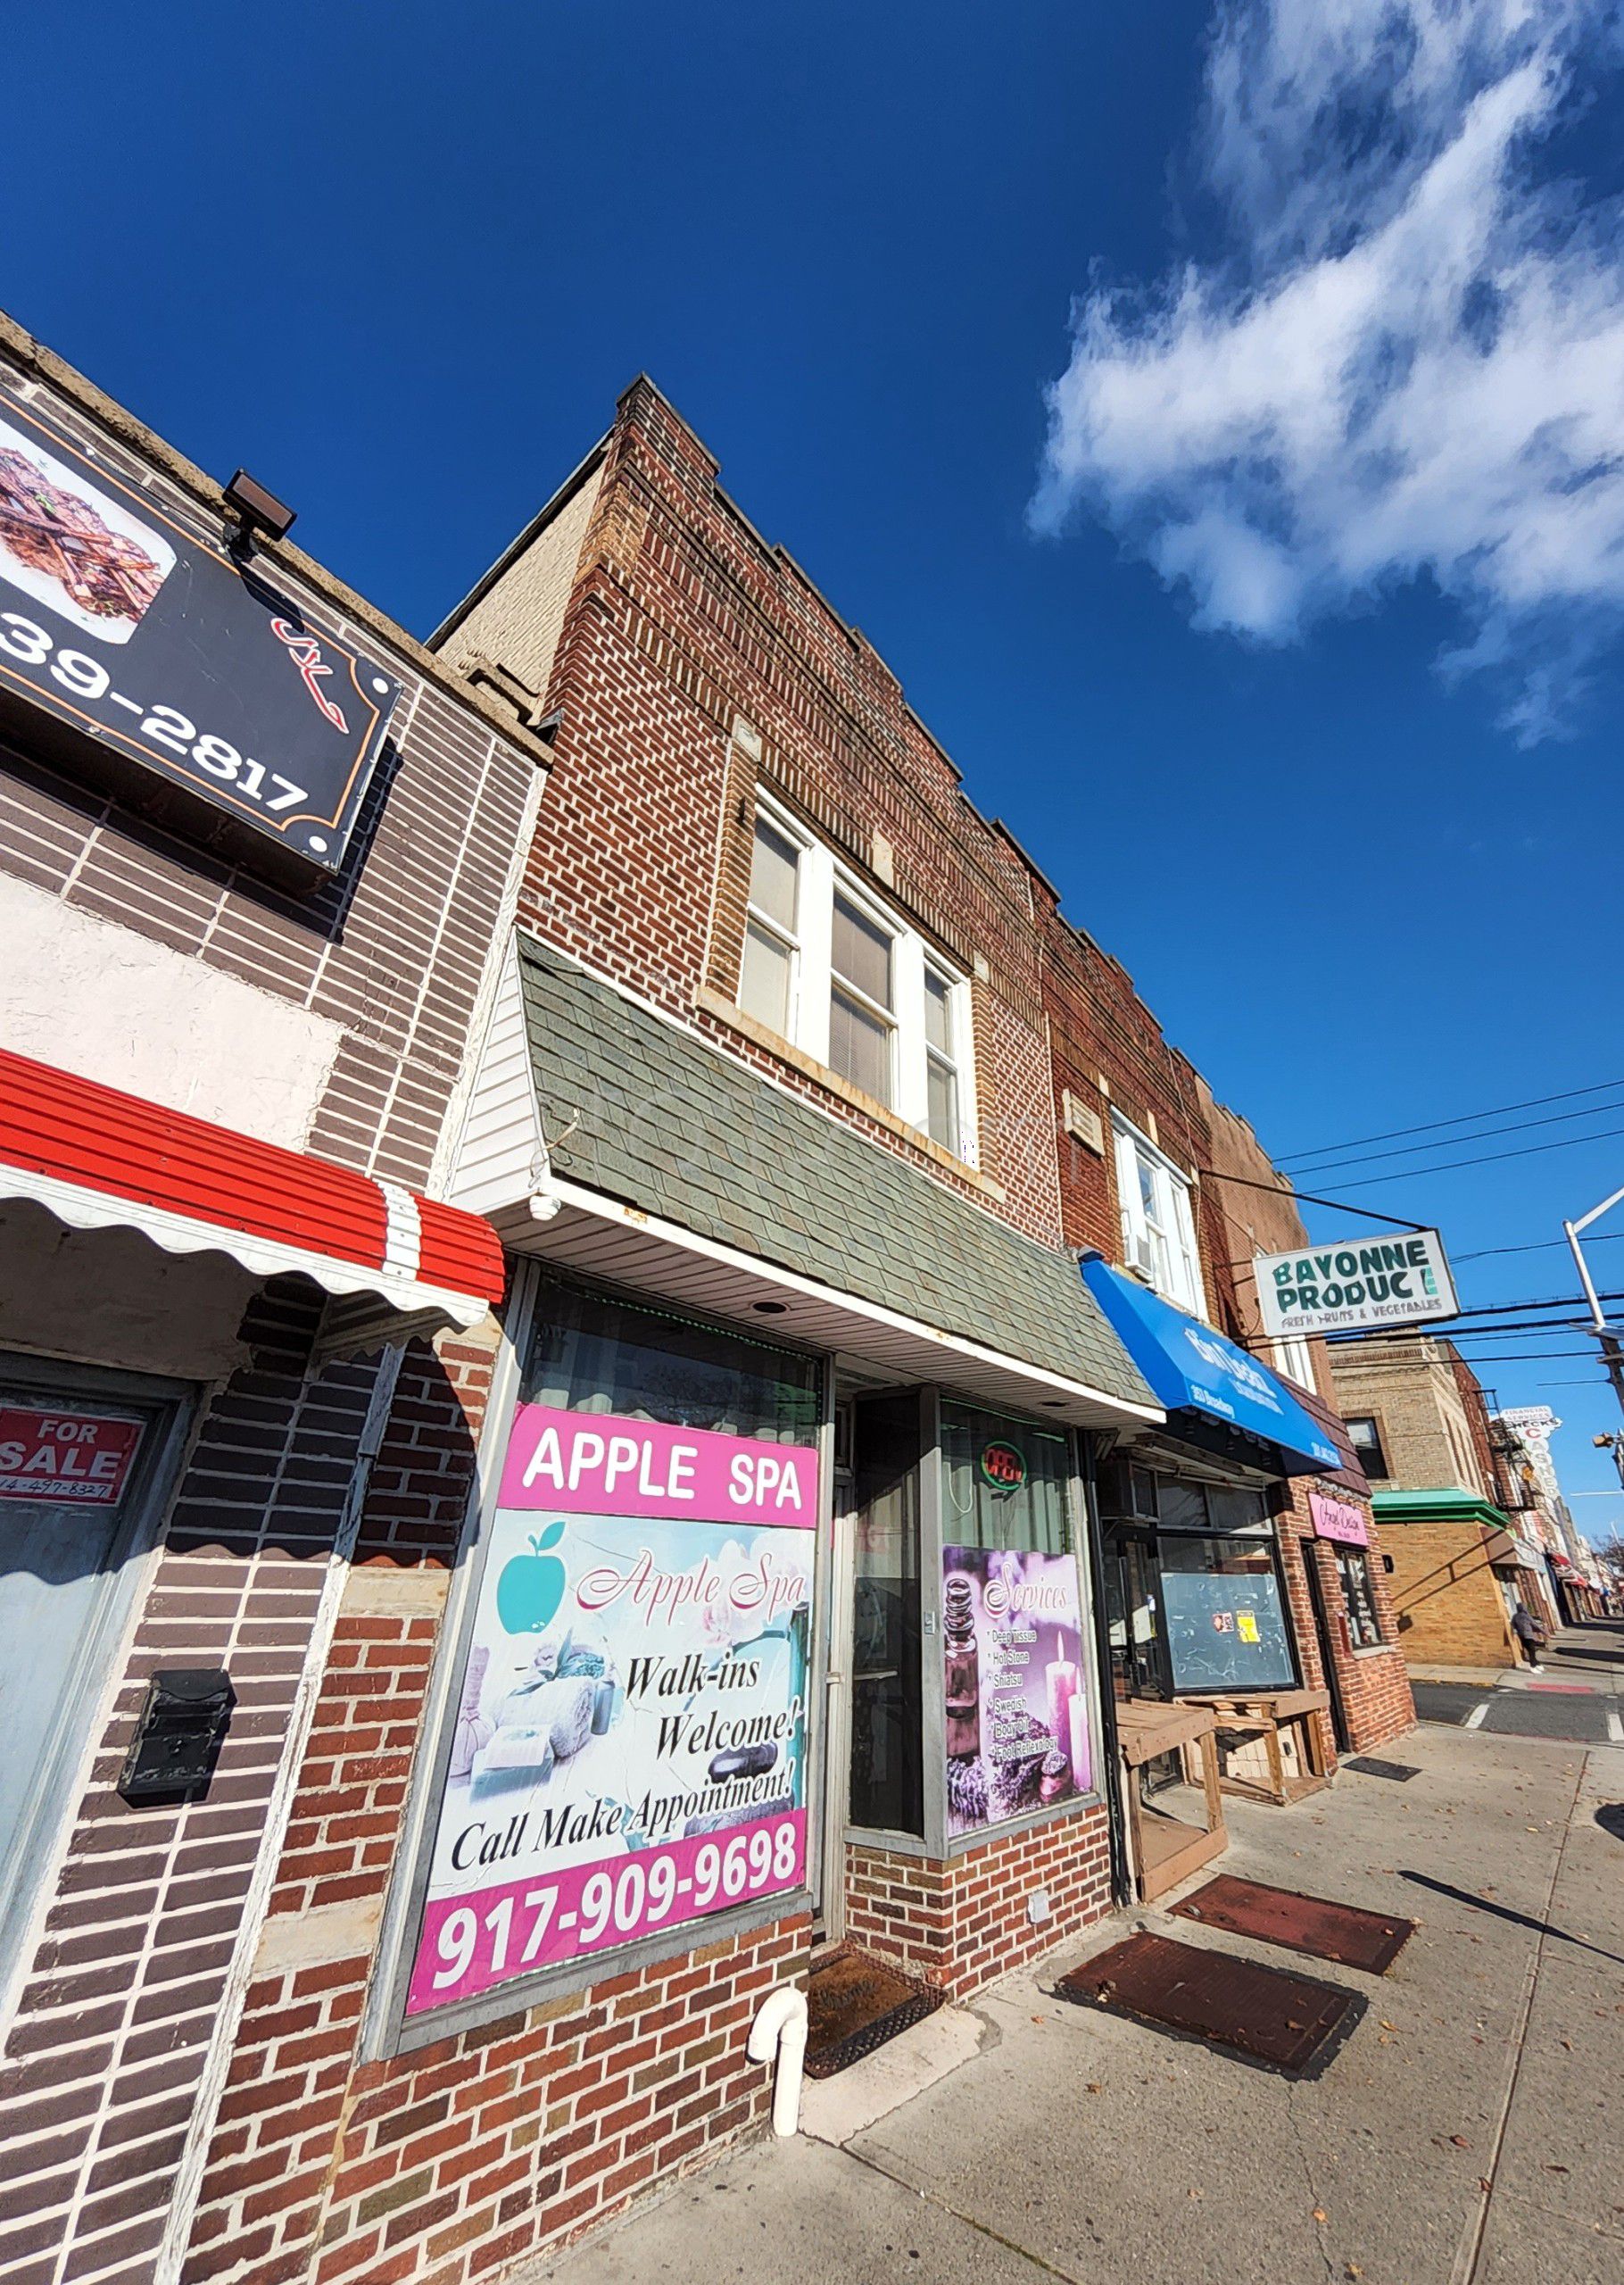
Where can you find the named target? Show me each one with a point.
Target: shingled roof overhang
(663, 1162)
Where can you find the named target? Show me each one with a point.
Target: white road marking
(1474, 1720)
(1615, 1725)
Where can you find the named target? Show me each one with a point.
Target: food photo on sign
(630, 1745)
(65, 543)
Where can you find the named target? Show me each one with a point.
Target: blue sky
(399, 261)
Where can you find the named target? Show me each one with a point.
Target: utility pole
(1612, 1349)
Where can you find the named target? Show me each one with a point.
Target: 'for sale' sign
(84, 1457)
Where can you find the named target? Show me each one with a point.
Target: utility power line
(1537, 1245)
(1465, 1118)
(1452, 1165)
(1333, 1171)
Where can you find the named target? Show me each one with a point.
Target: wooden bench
(1264, 1717)
(1166, 1850)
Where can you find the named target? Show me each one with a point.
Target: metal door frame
(44, 1827)
(831, 1688)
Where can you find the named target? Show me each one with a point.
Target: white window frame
(1293, 1357)
(955, 1062)
(757, 917)
(821, 875)
(1180, 1281)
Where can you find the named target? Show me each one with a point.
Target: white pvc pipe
(780, 2029)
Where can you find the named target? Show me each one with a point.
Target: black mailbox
(184, 1720)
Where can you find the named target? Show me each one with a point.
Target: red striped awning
(100, 1159)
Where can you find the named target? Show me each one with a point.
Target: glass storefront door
(887, 1766)
(1139, 1663)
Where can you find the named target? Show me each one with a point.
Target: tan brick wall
(517, 622)
(1409, 1389)
(1450, 1612)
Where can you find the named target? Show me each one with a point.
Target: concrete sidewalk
(1460, 2138)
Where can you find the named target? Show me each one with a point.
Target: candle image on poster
(1016, 1692)
(630, 1746)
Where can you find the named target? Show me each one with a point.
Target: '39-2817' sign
(146, 652)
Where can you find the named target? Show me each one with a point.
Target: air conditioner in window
(1141, 1256)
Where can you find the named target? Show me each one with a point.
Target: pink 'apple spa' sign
(630, 1749)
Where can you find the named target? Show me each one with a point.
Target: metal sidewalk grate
(1343, 1932)
(1289, 2023)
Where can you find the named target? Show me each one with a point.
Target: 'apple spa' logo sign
(530, 1587)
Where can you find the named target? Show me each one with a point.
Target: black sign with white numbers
(148, 643)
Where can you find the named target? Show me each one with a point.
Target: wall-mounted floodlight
(259, 513)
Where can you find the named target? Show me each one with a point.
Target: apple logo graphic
(531, 1587)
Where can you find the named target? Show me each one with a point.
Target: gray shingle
(663, 1123)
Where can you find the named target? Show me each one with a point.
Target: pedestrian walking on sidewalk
(1529, 1633)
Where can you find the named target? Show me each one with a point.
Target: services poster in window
(630, 1751)
(1017, 1690)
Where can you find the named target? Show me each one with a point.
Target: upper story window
(862, 1000)
(771, 944)
(1158, 1229)
(1366, 1437)
(942, 995)
(1295, 1358)
(840, 975)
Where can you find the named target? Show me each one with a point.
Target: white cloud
(1408, 364)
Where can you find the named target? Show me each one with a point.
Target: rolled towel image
(514, 1757)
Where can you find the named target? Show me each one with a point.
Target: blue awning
(1191, 1368)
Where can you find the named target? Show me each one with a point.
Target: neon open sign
(1003, 1466)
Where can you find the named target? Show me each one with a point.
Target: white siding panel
(502, 1157)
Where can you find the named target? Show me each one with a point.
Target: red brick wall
(470, 2155)
(103, 2058)
(682, 620)
(1101, 1031)
(963, 1924)
(1374, 1684)
(461, 2156)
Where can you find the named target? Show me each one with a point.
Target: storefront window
(1226, 1629)
(1005, 1483)
(594, 1354)
(628, 1752)
(1353, 1571)
(1014, 1674)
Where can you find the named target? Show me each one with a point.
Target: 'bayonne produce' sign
(1355, 1282)
(159, 656)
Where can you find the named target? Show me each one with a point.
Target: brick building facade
(211, 1074)
(658, 1157)
(1464, 1551)
(790, 1096)
(1360, 1662)
(1125, 1099)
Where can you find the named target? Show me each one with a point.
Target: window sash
(1365, 1434)
(1359, 1595)
(1164, 1220)
(928, 1074)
